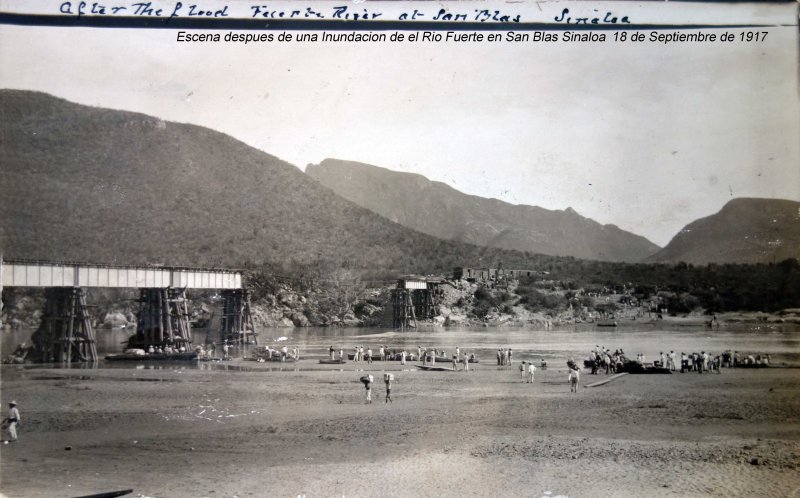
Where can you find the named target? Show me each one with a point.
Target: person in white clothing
(11, 423)
(574, 377)
(531, 370)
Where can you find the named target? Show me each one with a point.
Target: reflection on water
(782, 341)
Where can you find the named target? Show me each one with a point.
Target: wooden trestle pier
(237, 320)
(163, 319)
(414, 299)
(65, 333)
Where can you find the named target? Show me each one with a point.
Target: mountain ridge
(84, 183)
(438, 209)
(744, 230)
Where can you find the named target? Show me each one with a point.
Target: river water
(781, 341)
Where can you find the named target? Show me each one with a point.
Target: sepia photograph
(459, 248)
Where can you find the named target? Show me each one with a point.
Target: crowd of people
(428, 356)
(601, 358)
(504, 357)
(268, 353)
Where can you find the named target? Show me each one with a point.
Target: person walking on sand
(11, 423)
(531, 371)
(388, 378)
(574, 376)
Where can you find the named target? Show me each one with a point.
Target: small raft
(328, 361)
(435, 368)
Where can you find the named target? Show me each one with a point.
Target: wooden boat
(110, 494)
(435, 368)
(375, 357)
(328, 361)
(190, 356)
(607, 323)
(264, 358)
(634, 367)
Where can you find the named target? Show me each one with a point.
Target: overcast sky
(648, 137)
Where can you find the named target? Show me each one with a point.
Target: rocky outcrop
(287, 307)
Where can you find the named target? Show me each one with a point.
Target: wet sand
(261, 432)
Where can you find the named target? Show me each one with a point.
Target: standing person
(341, 354)
(574, 376)
(455, 363)
(531, 371)
(403, 357)
(458, 351)
(332, 352)
(433, 357)
(12, 421)
(369, 355)
(510, 356)
(522, 370)
(382, 353)
(388, 378)
(466, 362)
(367, 380)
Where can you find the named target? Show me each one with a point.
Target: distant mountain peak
(744, 230)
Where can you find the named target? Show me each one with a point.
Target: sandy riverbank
(262, 432)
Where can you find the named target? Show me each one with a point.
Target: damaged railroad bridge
(66, 333)
(415, 299)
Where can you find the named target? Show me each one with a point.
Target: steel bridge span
(20, 273)
(66, 333)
